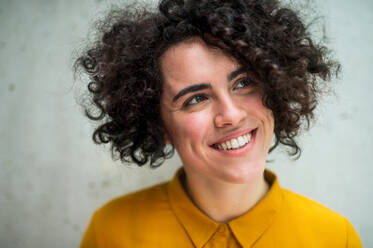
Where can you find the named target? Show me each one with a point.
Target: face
(214, 114)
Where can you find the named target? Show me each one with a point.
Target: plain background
(53, 177)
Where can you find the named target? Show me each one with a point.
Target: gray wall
(53, 177)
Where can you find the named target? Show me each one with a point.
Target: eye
(243, 83)
(194, 100)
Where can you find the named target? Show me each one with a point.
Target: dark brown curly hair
(125, 86)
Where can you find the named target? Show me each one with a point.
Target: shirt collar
(197, 225)
(246, 228)
(249, 227)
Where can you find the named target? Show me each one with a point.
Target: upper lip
(232, 135)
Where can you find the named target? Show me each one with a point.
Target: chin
(242, 175)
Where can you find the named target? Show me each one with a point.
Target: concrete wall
(53, 177)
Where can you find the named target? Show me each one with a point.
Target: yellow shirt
(164, 216)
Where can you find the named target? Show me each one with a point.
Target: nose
(228, 112)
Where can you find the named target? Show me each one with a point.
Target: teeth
(229, 146)
(241, 141)
(235, 142)
(224, 146)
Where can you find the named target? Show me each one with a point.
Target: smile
(235, 143)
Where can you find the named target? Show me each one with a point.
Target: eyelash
(247, 80)
(188, 103)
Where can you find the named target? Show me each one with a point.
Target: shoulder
(314, 220)
(304, 211)
(308, 207)
(123, 221)
(134, 211)
(136, 203)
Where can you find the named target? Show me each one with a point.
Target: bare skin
(223, 202)
(208, 102)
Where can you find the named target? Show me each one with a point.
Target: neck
(222, 201)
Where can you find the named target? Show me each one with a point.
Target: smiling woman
(217, 81)
(226, 109)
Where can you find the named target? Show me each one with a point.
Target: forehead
(192, 62)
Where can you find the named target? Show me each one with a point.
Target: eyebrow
(235, 73)
(192, 88)
(203, 86)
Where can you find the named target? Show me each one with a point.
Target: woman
(215, 80)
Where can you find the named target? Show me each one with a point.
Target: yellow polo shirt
(164, 216)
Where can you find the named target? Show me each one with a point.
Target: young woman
(217, 81)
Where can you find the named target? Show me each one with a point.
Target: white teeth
(224, 146)
(241, 141)
(229, 146)
(235, 142)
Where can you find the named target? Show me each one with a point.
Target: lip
(232, 135)
(242, 151)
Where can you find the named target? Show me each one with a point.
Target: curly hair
(268, 39)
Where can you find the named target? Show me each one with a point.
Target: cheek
(256, 106)
(191, 127)
(263, 113)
